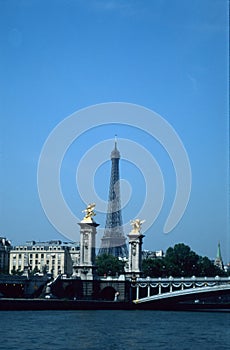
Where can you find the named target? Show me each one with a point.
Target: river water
(114, 330)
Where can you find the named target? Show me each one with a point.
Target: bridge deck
(194, 292)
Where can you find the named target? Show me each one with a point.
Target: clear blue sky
(169, 56)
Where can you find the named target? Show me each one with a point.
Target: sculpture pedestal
(86, 269)
(135, 253)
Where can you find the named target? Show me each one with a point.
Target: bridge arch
(108, 293)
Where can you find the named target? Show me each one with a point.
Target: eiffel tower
(113, 240)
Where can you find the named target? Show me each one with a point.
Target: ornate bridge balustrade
(147, 287)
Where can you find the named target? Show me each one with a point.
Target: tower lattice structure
(113, 240)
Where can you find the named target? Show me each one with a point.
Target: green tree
(109, 265)
(153, 267)
(34, 271)
(207, 268)
(16, 272)
(181, 261)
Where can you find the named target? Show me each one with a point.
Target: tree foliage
(16, 272)
(180, 261)
(109, 265)
(152, 267)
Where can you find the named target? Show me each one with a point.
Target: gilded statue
(89, 212)
(137, 223)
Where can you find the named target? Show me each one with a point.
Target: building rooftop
(52, 243)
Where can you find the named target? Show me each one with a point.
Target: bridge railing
(146, 287)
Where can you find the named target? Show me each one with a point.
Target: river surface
(114, 330)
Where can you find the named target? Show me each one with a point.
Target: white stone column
(137, 292)
(86, 269)
(135, 253)
(81, 248)
(148, 290)
(135, 247)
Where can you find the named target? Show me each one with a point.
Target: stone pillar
(135, 248)
(135, 253)
(87, 250)
(86, 269)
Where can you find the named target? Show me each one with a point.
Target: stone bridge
(110, 288)
(179, 290)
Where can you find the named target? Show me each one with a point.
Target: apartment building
(54, 257)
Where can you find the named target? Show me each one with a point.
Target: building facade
(149, 254)
(53, 257)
